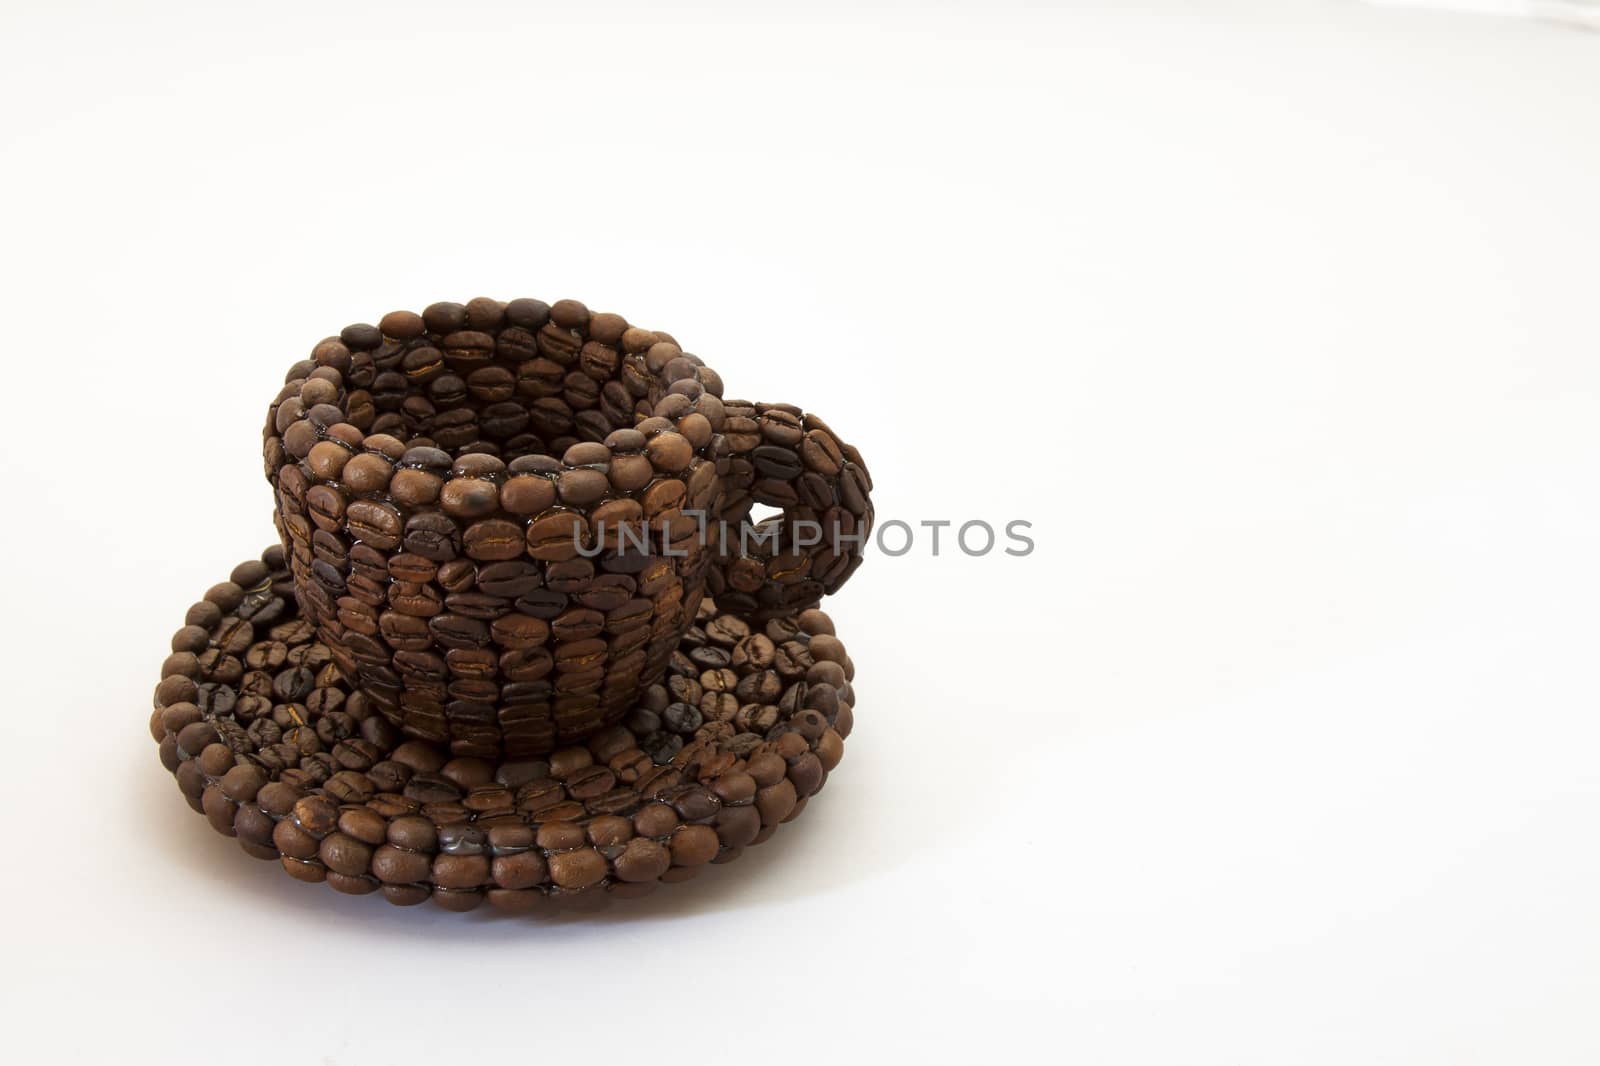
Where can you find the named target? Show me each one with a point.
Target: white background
(1276, 320)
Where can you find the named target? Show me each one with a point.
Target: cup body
(494, 515)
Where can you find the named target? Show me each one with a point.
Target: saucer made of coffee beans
(277, 750)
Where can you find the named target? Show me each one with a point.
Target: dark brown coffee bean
(397, 866)
(375, 523)
(344, 854)
(580, 654)
(364, 825)
(529, 494)
(494, 539)
(661, 747)
(315, 816)
(710, 657)
(414, 834)
(694, 845)
(557, 537)
(433, 536)
(727, 630)
(415, 488)
(670, 452)
(361, 336)
(642, 860)
(629, 473)
(581, 488)
(681, 718)
(526, 665)
(402, 325)
(460, 871)
(522, 870)
(577, 869)
(519, 631)
(569, 314)
(527, 314)
(469, 498)
(577, 624)
(327, 460)
(776, 802)
(462, 840)
(807, 774)
(655, 820)
(431, 788)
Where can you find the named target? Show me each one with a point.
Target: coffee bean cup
(502, 517)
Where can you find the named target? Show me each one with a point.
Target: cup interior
(522, 384)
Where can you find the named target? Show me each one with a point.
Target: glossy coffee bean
(579, 868)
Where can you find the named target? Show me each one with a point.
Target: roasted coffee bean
(580, 654)
(642, 721)
(661, 747)
(415, 488)
(431, 788)
(826, 647)
(683, 688)
(793, 699)
(577, 869)
(397, 866)
(510, 579)
(727, 630)
(520, 631)
(756, 718)
(589, 783)
(669, 452)
(414, 834)
(433, 536)
(792, 659)
(577, 624)
(528, 494)
(581, 488)
(642, 859)
(776, 802)
(757, 651)
(518, 773)
(344, 854)
(695, 803)
(807, 774)
(493, 539)
(681, 718)
(557, 537)
(719, 706)
(470, 498)
(570, 577)
(374, 523)
(526, 665)
(364, 825)
(460, 871)
(402, 325)
(709, 657)
(826, 673)
(348, 786)
(462, 840)
(361, 336)
(782, 629)
(694, 845)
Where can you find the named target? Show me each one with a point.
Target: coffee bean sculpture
(521, 641)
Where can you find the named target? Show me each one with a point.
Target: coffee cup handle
(783, 457)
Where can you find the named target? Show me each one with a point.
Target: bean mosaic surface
(489, 515)
(268, 740)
